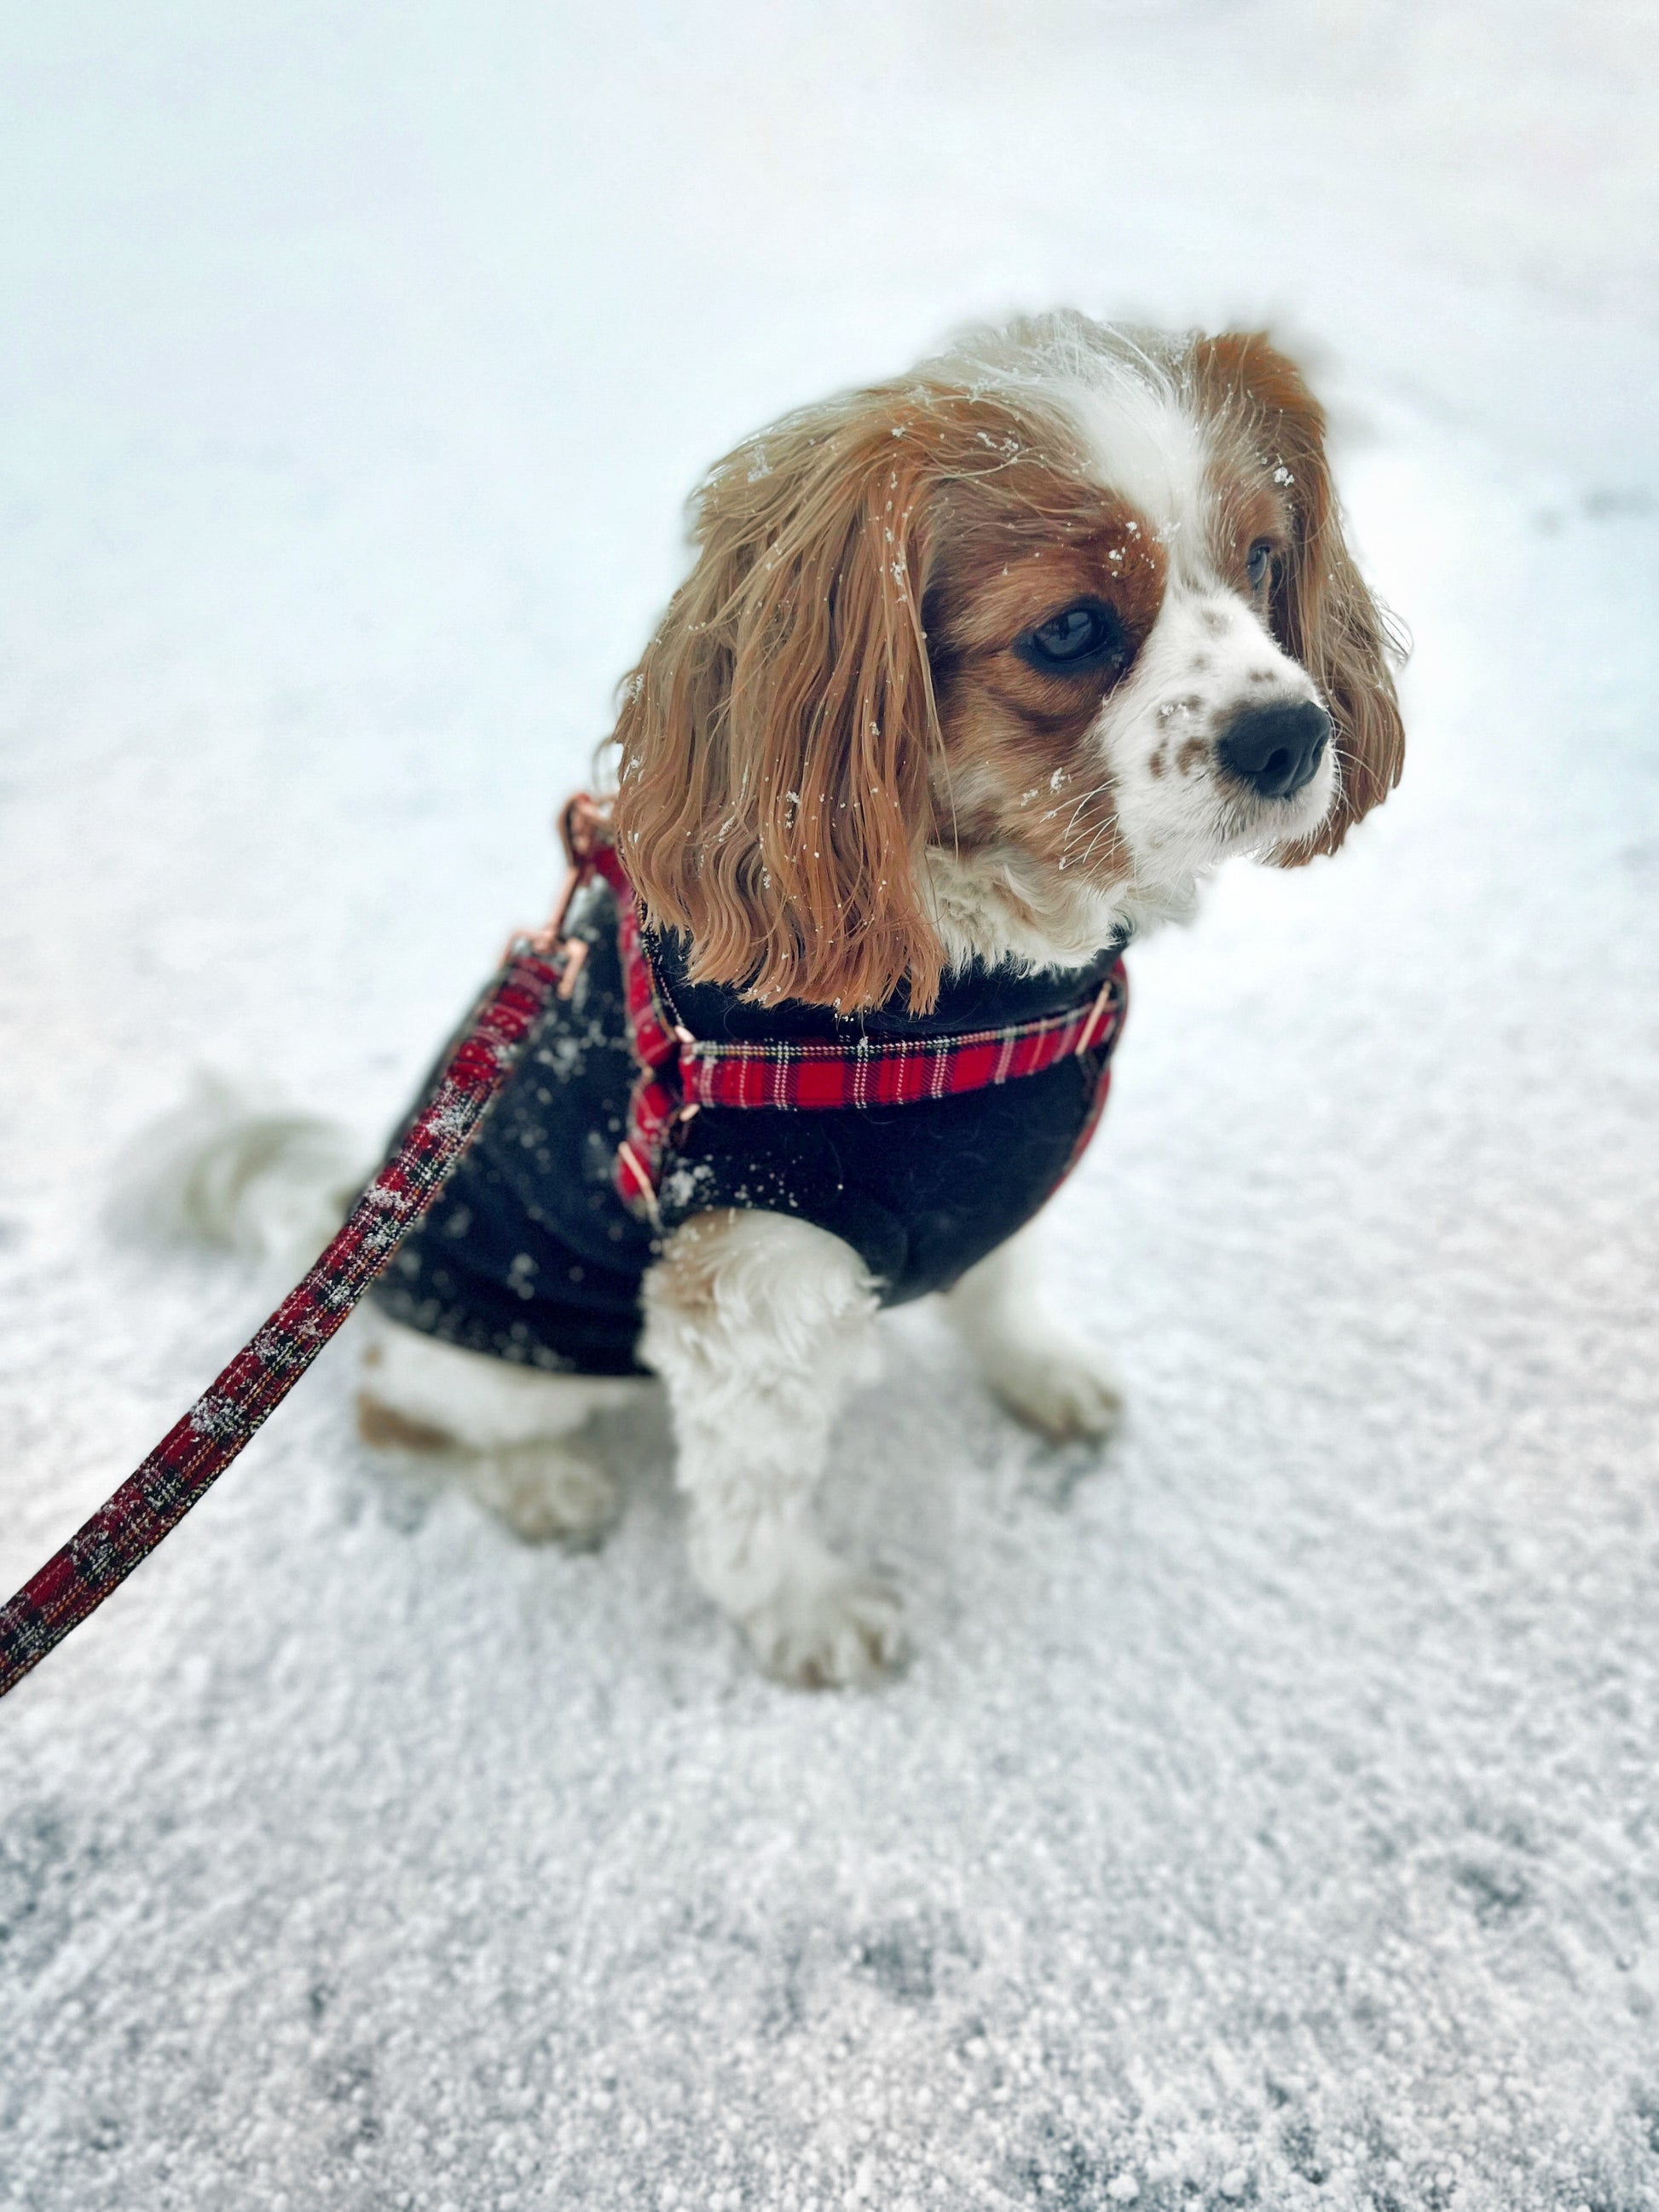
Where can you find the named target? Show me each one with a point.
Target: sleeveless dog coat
(923, 1141)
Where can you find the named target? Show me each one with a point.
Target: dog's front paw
(544, 1492)
(835, 1631)
(1064, 1387)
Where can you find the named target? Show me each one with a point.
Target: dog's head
(990, 659)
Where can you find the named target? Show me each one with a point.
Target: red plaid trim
(680, 1074)
(656, 1101)
(829, 1076)
(197, 1449)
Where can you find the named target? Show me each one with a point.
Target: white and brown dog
(981, 669)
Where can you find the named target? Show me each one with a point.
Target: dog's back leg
(759, 1325)
(1051, 1378)
(521, 1439)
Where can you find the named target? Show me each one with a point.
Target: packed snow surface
(1269, 1816)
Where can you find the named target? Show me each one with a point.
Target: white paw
(1065, 1389)
(840, 1631)
(544, 1493)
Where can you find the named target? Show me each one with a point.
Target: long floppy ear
(776, 739)
(1322, 613)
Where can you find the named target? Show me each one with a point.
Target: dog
(975, 676)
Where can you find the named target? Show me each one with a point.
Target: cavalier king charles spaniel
(975, 674)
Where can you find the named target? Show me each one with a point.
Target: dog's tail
(223, 1171)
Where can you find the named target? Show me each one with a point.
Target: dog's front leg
(759, 1325)
(1052, 1379)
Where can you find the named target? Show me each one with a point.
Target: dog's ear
(776, 740)
(1322, 613)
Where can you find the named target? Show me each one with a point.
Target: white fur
(759, 1325)
(1000, 908)
(1208, 656)
(1146, 444)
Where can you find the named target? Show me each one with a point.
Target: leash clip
(583, 826)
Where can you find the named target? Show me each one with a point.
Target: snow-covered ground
(1270, 1814)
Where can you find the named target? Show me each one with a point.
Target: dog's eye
(1259, 563)
(1087, 635)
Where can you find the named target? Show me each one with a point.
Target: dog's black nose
(1275, 750)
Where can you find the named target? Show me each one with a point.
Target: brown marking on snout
(1158, 762)
(1192, 756)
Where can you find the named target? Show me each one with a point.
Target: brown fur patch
(1015, 736)
(388, 1430)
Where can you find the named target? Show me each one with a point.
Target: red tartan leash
(196, 1451)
